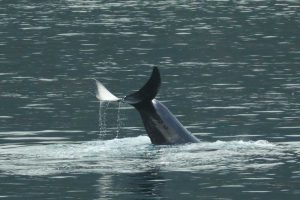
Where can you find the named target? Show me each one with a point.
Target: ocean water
(230, 73)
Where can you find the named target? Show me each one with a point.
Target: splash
(137, 154)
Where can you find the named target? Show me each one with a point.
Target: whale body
(162, 127)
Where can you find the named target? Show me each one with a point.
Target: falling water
(103, 106)
(103, 109)
(119, 121)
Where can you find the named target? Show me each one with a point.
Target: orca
(162, 127)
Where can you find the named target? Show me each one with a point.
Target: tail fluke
(103, 94)
(147, 92)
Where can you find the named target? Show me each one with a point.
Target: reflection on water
(230, 72)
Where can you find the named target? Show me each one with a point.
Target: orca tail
(147, 92)
(104, 94)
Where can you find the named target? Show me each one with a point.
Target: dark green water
(231, 74)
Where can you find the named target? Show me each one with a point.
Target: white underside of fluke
(103, 94)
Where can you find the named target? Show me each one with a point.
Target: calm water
(231, 74)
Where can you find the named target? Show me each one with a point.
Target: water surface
(230, 72)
